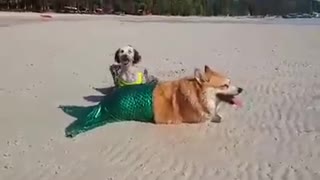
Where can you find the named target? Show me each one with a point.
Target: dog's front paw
(154, 79)
(114, 68)
(216, 119)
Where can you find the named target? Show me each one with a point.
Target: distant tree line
(168, 7)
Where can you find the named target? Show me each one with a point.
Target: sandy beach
(50, 62)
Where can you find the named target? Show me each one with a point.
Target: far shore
(33, 16)
(63, 60)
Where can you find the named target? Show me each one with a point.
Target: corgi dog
(193, 99)
(187, 100)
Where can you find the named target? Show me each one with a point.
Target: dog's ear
(207, 69)
(199, 76)
(136, 57)
(116, 56)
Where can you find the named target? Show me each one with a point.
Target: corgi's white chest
(212, 101)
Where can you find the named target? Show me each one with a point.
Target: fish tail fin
(87, 118)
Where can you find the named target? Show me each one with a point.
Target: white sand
(45, 64)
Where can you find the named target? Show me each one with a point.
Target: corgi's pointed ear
(199, 76)
(207, 68)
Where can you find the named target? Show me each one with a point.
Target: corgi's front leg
(214, 116)
(216, 119)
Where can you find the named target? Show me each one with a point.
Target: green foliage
(178, 7)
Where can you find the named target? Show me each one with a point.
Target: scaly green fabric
(127, 103)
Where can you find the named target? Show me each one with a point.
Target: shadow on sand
(98, 98)
(83, 114)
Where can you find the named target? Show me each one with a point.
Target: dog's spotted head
(127, 56)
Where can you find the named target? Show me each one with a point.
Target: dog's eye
(122, 51)
(129, 51)
(225, 86)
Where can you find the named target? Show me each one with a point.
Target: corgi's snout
(240, 90)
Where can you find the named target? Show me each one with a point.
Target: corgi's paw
(216, 119)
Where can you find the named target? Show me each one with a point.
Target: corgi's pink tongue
(237, 102)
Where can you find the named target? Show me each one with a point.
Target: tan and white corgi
(187, 100)
(194, 99)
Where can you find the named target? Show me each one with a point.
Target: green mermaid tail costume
(127, 103)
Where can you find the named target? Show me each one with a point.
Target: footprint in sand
(315, 103)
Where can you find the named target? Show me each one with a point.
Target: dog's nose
(240, 90)
(125, 58)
